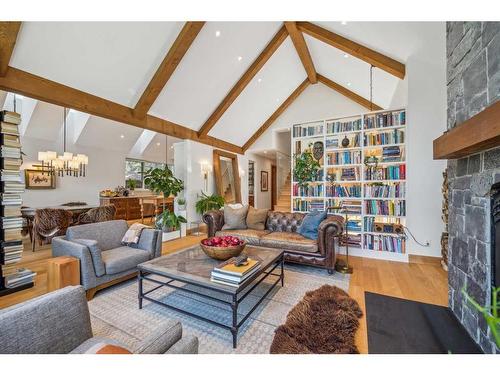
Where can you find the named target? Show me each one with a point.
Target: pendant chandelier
(66, 164)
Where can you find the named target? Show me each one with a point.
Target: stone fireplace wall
(473, 81)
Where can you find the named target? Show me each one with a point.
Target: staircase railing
(283, 168)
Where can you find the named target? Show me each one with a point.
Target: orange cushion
(102, 348)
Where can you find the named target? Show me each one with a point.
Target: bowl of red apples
(222, 247)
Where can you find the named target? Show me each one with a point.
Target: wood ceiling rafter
(294, 95)
(20, 82)
(352, 48)
(301, 47)
(8, 37)
(172, 59)
(348, 93)
(245, 79)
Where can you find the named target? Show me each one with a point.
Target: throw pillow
(103, 348)
(310, 224)
(256, 218)
(235, 218)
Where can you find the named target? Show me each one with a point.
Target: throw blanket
(133, 234)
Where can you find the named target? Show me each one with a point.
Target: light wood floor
(421, 280)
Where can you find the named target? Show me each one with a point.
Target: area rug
(400, 326)
(323, 322)
(115, 313)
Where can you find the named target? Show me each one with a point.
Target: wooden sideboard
(130, 208)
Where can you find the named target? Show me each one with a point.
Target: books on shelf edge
(11, 129)
(10, 117)
(10, 211)
(12, 234)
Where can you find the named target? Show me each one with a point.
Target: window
(135, 170)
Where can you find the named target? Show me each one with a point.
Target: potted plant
(208, 202)
(306, 168)
(181, 203)
(131, 184)
(163, 181)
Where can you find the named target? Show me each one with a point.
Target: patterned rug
(115, 312)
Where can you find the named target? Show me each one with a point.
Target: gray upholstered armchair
(59, 323)
(104, 261)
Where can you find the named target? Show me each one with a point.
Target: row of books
(393, 153)
(308, 205)
(345, 174)
(394, 190)
(392, 172)
(336, 141)
(308, 191)
(379, 242)
(343, 157)
(352, 207)
(228, 273)
(11, 252)
(353, 226)
(383, 120)
(388, 208)
(343, 191)
(308, 130)
(351, 239)
(343, 126)
(17, 277)
(386, 138)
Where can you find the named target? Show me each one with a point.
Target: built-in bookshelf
(372, 193)
(12, 278)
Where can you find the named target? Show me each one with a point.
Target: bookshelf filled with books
(363, 171)
(12, 277)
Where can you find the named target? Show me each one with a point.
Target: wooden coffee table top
(193, 266)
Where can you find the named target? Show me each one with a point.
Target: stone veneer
(473, 80)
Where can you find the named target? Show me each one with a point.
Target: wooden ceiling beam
(8, 37)
(20, 82)
(354, 49)
(348, 93)
(302, 50)
(294, 95)
(245, 79)
(173, 58)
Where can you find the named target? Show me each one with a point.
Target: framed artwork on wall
(36, 179)
(264, 182)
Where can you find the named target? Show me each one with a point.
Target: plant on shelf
(170, 222)
(181, 203)
(131, 184)
(305, 169)
(208, 202)
(163, 181)
(491, 312)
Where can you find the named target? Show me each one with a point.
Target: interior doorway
(273, 186)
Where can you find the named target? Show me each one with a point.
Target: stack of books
(11, 188)
(228, 273)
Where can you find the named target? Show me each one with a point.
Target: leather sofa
(281, 233)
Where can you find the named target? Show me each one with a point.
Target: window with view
(135, 170)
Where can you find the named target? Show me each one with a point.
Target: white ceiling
(279, 77)
(113, 60)
(210, 69)
(116, 60)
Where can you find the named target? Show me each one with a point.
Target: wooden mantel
(477, 134)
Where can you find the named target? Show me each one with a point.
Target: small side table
(63, 271)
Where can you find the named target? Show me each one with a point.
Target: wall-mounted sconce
(205, 170)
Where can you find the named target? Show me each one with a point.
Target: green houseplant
(491, 313)
(160, 180)
(131, 184)
(305, 168)
(208, 202)
(171, 221)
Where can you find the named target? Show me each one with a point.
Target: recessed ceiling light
(217, 34)
(344, 22)
(277, 100)
(122, 136)
(240, 58)
(158, 144)
(259, 80)
(348, 83)
(346, 55)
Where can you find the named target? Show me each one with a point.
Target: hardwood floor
(420, 280)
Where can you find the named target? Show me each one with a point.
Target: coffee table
(192, 267)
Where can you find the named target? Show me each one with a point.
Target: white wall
(189, 157)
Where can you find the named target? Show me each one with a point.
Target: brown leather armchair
(281, 233)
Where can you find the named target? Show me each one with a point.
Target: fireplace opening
(495, 235)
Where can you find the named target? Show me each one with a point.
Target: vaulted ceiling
(214, 82)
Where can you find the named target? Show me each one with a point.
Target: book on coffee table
(229, 274)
